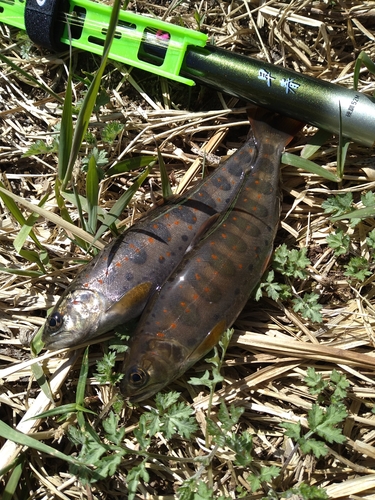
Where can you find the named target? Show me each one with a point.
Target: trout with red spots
(211, 285)
(115, 286)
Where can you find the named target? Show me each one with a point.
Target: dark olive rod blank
(293, 94)
(183, 55)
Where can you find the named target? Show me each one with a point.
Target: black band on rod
(41, 22)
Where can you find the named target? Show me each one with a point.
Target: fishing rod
(185, 56)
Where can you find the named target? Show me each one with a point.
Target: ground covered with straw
(284, 408)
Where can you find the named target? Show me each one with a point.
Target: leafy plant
(322, 421)
(291, 263)
(309, 307)
(339, 242)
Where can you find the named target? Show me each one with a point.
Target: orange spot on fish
(223, 235)
(183, 304)
(173, 325)
(190, 228)
(161, 335)
(100, 281)
(118, 264)
(197, 276)
(198, 259)
(212, 243)
(176, 222)
(240, 266)
(151, 240)
(214, 256)
(168, 254)
(195, 296)
(206, 289)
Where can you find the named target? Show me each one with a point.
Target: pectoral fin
(211, 339)
(132, 303)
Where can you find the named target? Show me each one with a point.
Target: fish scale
(115, 286)
(209, 288)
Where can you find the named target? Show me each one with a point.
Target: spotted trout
(211, 285)
(114, 287)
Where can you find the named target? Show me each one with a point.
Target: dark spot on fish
(184, 237)
(186, 214)
(251, 267)
(204, 198)
(234, 168)
(161, 259)
(139, 256)
(222, 183)
(129, 276)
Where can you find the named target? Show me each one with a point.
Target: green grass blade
(33, 257)
(81, 385)
(342, 148)
(81, 203)
(22, 272)
(66, 129)
(361, 213)
(18, 437)
(90, 98)
(52, 217)
(121, 203)
(63, 410)
(36, 344)
(165, 184)
(130, 164)
(13, 481)
(309, 166)
(92, 193)
(315, 143)
(8, 199)
(26, 228)
(41, 380)
(364, 59)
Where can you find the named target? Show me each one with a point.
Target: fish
(115, 286)
(203, 297)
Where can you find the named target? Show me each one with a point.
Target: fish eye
(56, 320)
(138, 377)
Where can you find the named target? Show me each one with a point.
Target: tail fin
(266, 123)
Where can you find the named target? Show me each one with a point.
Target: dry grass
(272, 346)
